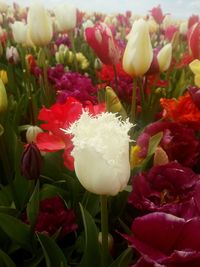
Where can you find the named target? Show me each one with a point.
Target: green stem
(73, 50)
(116, 82)
(104, 230)
(133, 102)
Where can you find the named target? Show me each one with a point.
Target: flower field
(99, 138)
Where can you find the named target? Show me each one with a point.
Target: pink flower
(101, 40)
(157, 14)
(170, 31)
(165, 240)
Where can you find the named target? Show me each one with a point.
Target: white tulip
(32, 132)
(138, 54)
(164, 57)
(39, 25)
(66, 17)
(101, 152)
(19, 30)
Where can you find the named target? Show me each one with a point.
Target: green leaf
(6, 259)
(48, 191)
(1, 130)
(124, 259)
(16, 230)
(33, 205)
(53, 254)
(92, 247)
(153, 143)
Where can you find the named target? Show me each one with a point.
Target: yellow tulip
(195, 68)
(3, 97)
(138, 54)
(3, 76)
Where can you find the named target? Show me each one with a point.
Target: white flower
(19, 30)
(32, 132)
(101, 152)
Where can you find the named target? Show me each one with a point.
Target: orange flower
(181, 110)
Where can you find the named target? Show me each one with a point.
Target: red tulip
(101, 40)
(157, 14)
(194, 40)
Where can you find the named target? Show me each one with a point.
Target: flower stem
(116, 82)
(133, 103)
(104, 230)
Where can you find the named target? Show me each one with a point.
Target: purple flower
(170, 188)
(195, 94)
(165, 240)
(63, 39)
(179, 142)
(72, 84)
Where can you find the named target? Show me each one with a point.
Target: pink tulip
(101, 40)
(194, 40)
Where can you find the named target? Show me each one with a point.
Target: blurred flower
(168, 188)
(82, 61)
(63, 40)
(138, 54)
(195, 95)
(157, 14)
(32, 66)
(193, 41)
(61, 116)
(101, 40)
(170, 32)
(174, 244)
(3, 97)
(31, 162)
(192, 20)
(3, 76)
(66, 16)
(39, 24)
(181, 110)
(101, 152)
(12, 55)
(195, 68)
(54, 215)
(164, 57)
(179, 147)
(183, 28)
(32, 133)
(3, 6)
(19, 30)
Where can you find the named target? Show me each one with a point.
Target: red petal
(49, 142)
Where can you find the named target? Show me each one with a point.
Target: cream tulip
(3, 6)
(138, 54)
(40, 28)
(19, 30)
(164, 57)
(66, 17)
(32, 132)
(101, 152)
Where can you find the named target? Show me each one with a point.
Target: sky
(178, 8)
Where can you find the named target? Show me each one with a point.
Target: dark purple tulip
(179, 142)
(170, 188)
(195, 94)
(31, 162)
(165, 240)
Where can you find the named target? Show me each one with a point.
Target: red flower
(58, 117)
(182, 110)
(157, 14)
(54, 215)
(170, 31)
(194, 40)
(192, 20)
(101, 40)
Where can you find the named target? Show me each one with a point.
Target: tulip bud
(32, 133)
(110, 240)
(40, 28)
(157, 14)
(101, 152)
(66, 17)
(183, 28)
(113, 103)
(19, 30)
(164, 57)
(3, 97)
(3, 76)
(12, 55)
(97, 64)
(138, 54)
(160, 157)
(101, 40)
(82, 61)
(31, 162)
